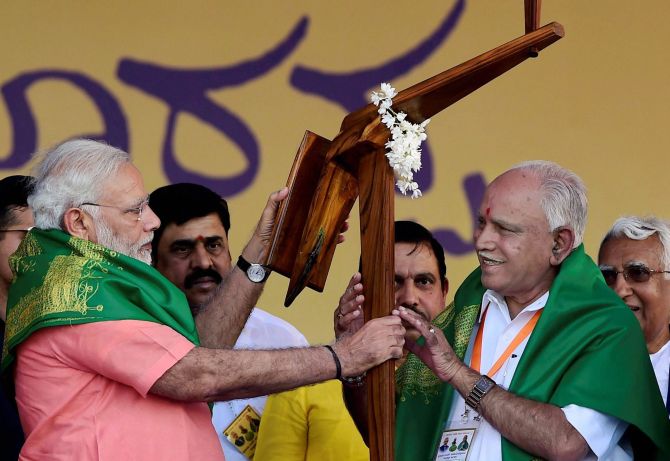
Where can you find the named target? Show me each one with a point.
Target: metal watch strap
(480, 389)
(256, 273)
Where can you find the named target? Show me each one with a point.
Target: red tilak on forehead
(200, 238)
(488, 212)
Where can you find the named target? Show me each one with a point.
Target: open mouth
(488, 261)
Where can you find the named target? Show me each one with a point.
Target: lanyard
(518, 339)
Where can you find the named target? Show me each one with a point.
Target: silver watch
(257, 273)
(481, 388)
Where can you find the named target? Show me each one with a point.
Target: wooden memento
(328, 176)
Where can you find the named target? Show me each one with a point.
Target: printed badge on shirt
(458, 436)
(455, 444)
(243, 431)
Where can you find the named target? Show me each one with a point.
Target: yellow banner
(220, 93)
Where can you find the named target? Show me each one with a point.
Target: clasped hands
(435, 352)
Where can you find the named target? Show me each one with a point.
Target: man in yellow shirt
(312, 422)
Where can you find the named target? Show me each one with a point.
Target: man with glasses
(539, 358)
(109, 363)
(16, 218)
(634, 259)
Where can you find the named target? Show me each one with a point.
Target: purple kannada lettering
(350, 89)
(24, 127)
(474, 186)
(185, 90)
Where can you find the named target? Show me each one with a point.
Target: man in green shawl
(108, 361)
(546, 361)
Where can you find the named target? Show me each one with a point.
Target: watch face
(484, 384)
(256, 273)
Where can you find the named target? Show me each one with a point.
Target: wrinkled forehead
(414, 248)
(623, 251)
(416, 256)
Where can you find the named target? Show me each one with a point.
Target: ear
(445, 289)
(79, 224)
(564, 239)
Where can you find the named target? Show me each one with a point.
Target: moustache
(197, 274)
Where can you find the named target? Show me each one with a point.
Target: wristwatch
(481, 388)
(257, 273)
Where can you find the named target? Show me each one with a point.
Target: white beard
(112, 241)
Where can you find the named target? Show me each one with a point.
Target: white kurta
(602, 432)
(661, 363)
(262, 331)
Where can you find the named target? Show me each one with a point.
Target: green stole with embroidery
(64, 280)
(587, 349)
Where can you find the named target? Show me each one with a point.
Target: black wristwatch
(481, 388)
(257, 273)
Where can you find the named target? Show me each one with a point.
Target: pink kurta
(82, 394)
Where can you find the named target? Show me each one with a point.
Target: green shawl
(64, 280)
(587, 349)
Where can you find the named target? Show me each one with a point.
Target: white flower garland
(404, 147)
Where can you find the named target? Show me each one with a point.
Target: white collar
(659, 352)
(498, 301)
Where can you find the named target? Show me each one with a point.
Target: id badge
(243, 431)
(455, 444)
(457, 438)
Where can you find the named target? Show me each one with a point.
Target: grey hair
(641, 228)
(70, 174)
(564, 199)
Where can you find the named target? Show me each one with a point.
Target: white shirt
(262, 331)
(661, 362)
(601, 432)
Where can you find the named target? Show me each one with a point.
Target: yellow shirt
(309, 423)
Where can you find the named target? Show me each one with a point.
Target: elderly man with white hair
(634, 259)
(538, 358)
(109, 362)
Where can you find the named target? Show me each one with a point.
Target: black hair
(14, 192)
(179, 203)
(411, 232)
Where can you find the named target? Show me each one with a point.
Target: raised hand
(436, 351)
(266, 222)
(375, 342)
(348, 316)
(257, 249)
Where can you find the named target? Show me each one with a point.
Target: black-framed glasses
(133, 211)
(637, 273)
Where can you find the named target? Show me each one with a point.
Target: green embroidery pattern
(414, 377)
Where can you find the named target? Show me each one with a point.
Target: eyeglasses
(134, 211)
(25, 231)
(637, 273)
